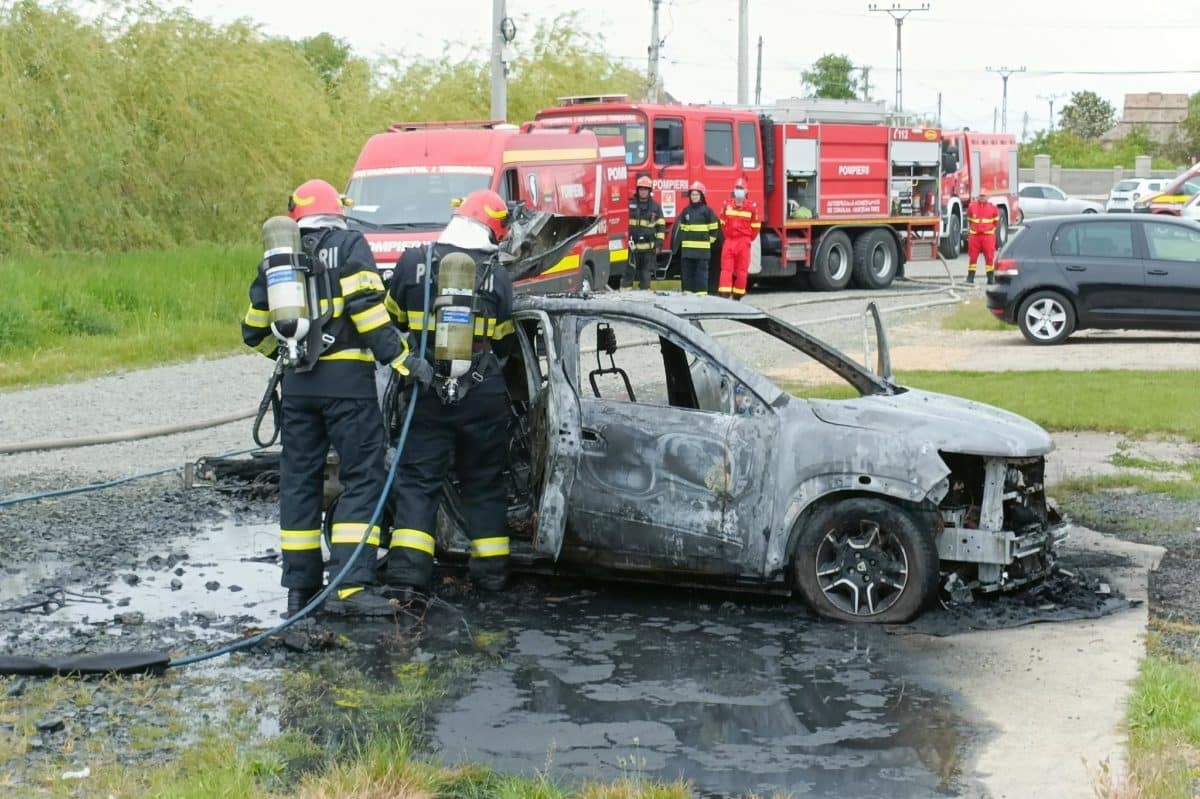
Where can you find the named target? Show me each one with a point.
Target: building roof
(1160, 114)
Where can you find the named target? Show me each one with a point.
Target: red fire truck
(841, 201)
(406, 181)
(972, 161)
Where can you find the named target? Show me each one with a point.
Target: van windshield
(633, 134)
(411, 198)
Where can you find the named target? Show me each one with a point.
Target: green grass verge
(1132, 402)
(70, 316)
(973, 315)
(1164, 726)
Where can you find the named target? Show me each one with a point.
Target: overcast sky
(946, 49)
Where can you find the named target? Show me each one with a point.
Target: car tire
(586, 280)
(840, 555)
(1089, 210)
(1002, 230)
(876, 259)
(951, 244)
(1046, 318)
(833, 265)
(1020, 220)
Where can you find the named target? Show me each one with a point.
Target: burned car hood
(952, 424)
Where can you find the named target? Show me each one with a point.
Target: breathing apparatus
(455, 311)
(296, 285)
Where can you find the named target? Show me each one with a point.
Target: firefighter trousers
(735, 267)
(642, 264)
(981, 243)
(355, 429)
(693, 274)
(475, 433)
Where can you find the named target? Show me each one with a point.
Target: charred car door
(661, 468)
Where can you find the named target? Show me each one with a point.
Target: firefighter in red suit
(740, 224)
(982, 218)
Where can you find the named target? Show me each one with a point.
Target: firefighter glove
(415, 368)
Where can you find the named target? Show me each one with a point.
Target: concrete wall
(1090, 183)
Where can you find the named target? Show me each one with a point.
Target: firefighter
(331, 400)
(740, 224)
(982, 218)
(647, 229)
(465, 416)
(695, 233)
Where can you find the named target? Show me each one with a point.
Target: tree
(1184, 146)
(1088, 115)
(832, 76)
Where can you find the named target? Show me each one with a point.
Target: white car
(1192, 209)
(1042, 199)
(1126, 192)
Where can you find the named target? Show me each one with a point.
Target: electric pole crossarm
(1004, 73)
(898, 12)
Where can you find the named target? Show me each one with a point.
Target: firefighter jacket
(647, 228)
(405, 302)
(696, 230)
(740, 222)
(982, 218)
(359, 323)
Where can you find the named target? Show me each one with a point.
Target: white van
(1126, 192)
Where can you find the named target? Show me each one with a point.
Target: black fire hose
(270, 400)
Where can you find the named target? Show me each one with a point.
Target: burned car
(644, 447)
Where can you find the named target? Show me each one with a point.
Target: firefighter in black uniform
(647, 229)
(333, 402)
(465, 416)
(696, 236)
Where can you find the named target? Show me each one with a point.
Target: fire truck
(974, 161)
(841, 201)
(1174, 197)
(407, 181)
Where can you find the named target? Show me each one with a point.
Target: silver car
(1042, 199)
(1126, 192)
(652, 438)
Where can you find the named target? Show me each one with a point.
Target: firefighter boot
(991, 279)
(971, 276)
(297, 599)
(360, 601)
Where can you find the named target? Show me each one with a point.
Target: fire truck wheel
(585, 280)
(832, 267)
(1002, 229)
(951, 244)
(875, 259)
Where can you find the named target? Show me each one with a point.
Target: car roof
(1096, 219)
(686, 306)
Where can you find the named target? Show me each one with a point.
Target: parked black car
(1067, 273)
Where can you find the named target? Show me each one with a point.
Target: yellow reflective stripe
(714, 225)
(735, 212)
(416, 320)
(299, 540)
(413, 539)
(505, 328)
(374, 317)
(349, 355)
(755, 225)
(703, 227)
(489, 547)
(267, 346)
(619, 255)
(697, 245)
(339, 305)
(393, 307)
(645, 222)
(361, 281)
(352, 533)
(484, 326)
(346, 593)
(256, 318)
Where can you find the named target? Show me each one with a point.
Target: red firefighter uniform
(740, 225)
(982, 218)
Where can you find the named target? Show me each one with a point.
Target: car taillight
(1007, 267)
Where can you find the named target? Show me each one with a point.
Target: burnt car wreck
(644, 448)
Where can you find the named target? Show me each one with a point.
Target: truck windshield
(632, 133)
(411, 200)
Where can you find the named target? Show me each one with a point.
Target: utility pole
(939, 116)
(898, 13)
(655, 44)
(1051, 98)
(866, 82)
(1004, 73)
(995, 115)
(758, 76)
(502, 32)
(1025, 127)
(743, 87)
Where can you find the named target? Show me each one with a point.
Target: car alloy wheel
(861, 569)
(1045, 318)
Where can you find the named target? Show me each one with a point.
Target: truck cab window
(748, 144)
(718, 144)
(668, 142)
(510, 186)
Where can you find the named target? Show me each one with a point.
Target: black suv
(1066, 273)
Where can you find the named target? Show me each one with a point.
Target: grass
(973, 315)
(1108, 400)
(69, 316)
(1164, 726)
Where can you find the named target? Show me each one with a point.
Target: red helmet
(488, 209)
(740, 183)
(697, 186)
(314, 197)
(644, 182)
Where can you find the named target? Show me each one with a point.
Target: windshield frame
(358, 180)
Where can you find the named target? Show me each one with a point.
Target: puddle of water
(594, 688)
